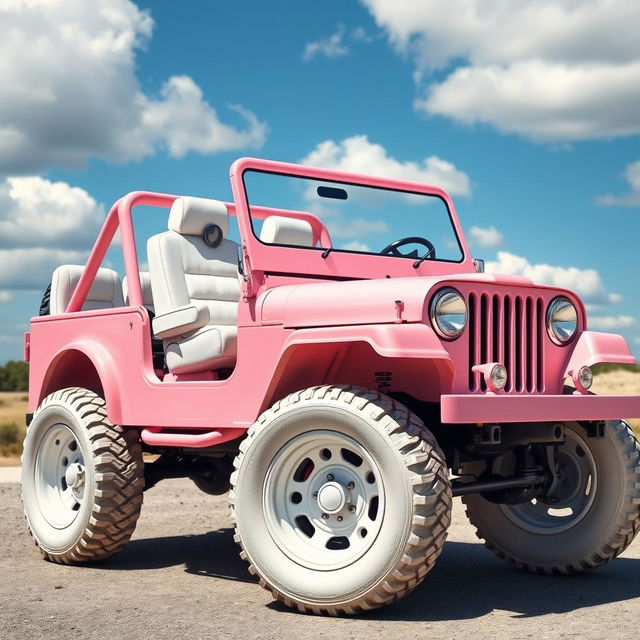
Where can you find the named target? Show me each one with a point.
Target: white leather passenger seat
(286, 231)
(105, 292)
(145, 285)
(195, 287)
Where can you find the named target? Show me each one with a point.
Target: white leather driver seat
(105, 292)
(194, 280)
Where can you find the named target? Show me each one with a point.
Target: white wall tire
(362, 446)
(82, 478)
(595, 523)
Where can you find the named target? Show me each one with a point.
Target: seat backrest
(145, 285)
(105, 292)
(287, 231)
(185, 269)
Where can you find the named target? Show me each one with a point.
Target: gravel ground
(181, 577)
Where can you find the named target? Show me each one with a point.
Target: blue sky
(527, 112)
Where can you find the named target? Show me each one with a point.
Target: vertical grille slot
(540, 351)
(509, 329)
(473, 359)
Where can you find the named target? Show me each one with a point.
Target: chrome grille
(507, 328)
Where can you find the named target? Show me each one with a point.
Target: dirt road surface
(181, 577)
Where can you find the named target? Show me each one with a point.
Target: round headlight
(562, 320)
(448, 313)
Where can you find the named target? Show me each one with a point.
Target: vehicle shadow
(467, 582)
(213, 555)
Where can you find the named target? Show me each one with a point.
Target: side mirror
(478, 265)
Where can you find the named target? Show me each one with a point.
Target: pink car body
(306, 320)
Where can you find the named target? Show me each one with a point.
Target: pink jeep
(344, 394)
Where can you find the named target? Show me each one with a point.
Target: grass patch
(608, 367)
(13, 407)
(11, 436)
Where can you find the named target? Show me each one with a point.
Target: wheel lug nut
(315, 495)
(325, 516)
(339, 518)
(350, 485)
(352, 508)
(330, 477)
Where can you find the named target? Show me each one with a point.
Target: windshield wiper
(326, 252)
(419, 261)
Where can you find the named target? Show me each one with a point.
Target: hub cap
(323, 500)
(332, 497)
(571, 498)
(59, 476)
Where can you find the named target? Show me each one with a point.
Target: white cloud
(631, 199)
(488, 238)
(609, 323)
(555, 70)
(5, 296)
(70, 91)
(31, 269)
(356, 245)
(43, 224)
(186, 122)
(360, 34)
(331, 47)
(356, 228)
(35, 212)
(358, 155)
(587, 283)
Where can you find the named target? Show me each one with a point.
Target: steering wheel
(392, 249)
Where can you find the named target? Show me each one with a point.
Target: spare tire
(44, 305)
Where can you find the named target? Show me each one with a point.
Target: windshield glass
(359, 219)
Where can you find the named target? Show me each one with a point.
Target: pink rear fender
(84, 363)
(391, 357)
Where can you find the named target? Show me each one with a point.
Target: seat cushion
(206, 349)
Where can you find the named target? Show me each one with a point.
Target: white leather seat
(105, 292)
(145, 285)
(195, 288)
(287, 231)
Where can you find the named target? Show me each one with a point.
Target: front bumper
(500, 408)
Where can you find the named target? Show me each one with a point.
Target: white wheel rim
(323, 500)
(60, 476)
(574, 495)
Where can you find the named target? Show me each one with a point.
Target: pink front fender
(593, 348)
(382, 357)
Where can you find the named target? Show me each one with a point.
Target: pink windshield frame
(280, 259)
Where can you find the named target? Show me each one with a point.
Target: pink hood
(360, 301)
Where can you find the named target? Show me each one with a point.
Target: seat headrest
(292, 231)
(105, 291)
(189, 216)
